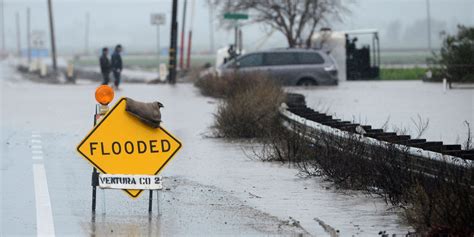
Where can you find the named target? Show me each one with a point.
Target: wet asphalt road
(212, 187)
(46, 185)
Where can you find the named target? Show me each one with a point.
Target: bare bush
(212, 86)
(442, 204)
(421, 125)
(435, 196)
(285, 145)
(250, 106)
(468, 143)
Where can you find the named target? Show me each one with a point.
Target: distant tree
(456, 58)
(296, 19)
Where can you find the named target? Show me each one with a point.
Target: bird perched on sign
(360, 130)
(148, 113)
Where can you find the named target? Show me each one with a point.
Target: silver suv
(301, 67)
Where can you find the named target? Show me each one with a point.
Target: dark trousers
(105, 78)
(117, 78)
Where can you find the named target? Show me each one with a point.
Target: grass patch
(402, 73)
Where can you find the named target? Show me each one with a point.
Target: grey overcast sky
(402, 23)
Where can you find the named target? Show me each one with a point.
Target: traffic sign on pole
(158, 19)
(121, 144)
(236, 16)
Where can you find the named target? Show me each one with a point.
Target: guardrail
(297, 113)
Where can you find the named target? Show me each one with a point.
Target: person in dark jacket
(105, 66)
(117, 65)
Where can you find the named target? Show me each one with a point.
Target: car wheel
(306, 82)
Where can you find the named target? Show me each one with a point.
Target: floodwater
(213, 187)
(401, 103)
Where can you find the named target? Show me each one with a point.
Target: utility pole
(28, 34)
(190, 35)
(428, 16)
(173, 43)
(3, 25)
(86, 35)
(211, 26)
(51, 31)
(18, 34)
(181, 50)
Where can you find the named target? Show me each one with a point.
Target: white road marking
(35, 141)
(36, 135)
(37, 157)
(37, 151)
(38, 147)
(44, 213)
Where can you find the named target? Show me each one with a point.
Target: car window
(310, 58)
(252, 60)
(272, 59)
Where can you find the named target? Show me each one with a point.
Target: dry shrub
(437, 197)
(284, 145)
(442, 205)
(250, 104)
(213, 86)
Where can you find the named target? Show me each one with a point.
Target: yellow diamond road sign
(122, 144)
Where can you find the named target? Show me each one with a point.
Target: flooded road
(398, 102)
(213, 188)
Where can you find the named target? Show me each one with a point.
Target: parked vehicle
(301, 67)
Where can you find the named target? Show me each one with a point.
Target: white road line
(37, 147)
(37, 151)
(35, 141)
(44, 213)
(36, 135)
(37, 157)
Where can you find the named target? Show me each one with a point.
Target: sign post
(237, 36)
(158, 19)
(126, 152)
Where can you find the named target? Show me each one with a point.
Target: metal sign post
(130, 146)
(237, 32)
(99, 112)
(107, 181)
(158, 19)
(128, 152)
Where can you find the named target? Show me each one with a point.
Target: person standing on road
(117, 65)
(105, 66)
